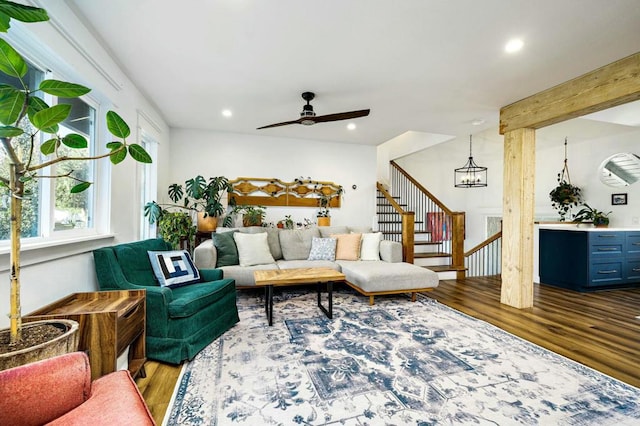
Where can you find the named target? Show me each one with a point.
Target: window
(50, 210)
(148, 183)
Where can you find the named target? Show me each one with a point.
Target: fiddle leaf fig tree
(25, 115)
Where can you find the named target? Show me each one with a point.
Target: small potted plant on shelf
(589, 214)
(251, 215)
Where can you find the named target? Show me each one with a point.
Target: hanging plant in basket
(565, 195)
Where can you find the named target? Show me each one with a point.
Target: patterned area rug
(395, 363)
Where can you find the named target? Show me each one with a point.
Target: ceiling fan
(309, 117)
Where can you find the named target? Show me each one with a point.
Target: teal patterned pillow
(323, 249)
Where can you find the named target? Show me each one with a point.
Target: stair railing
(408, 223)
(485, 258)
(431, 215)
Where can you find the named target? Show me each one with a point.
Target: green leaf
(114, 145)
(75, 141)
(4, 22)
(117, 126)
(23, 13)
(35, 104)
(196, 187)
(11, 63)
(25, 179)
(139, 154)
(11, 104)
(51, 116)
(10, 131)
(175, 192)
(80, 187)
(153, 211)
(63, 89)
(117, 156)
(49, 147)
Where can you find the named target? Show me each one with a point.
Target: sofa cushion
(294, 264)
(323, 249)
(375, 276)
(347, 246)
(296, 243)
(273, 238)
(173, 268)
(192, 299)
(243, 275)
(370, 246)
(253, 249)
(326, 231)
(226, 250)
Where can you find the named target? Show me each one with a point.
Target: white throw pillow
(370, 247)
(253, 249)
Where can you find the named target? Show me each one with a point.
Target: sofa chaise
(181, 321)
(376, 270)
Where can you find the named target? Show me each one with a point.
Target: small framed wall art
(618, 199)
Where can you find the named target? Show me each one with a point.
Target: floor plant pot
(65, 343)
(207, 224)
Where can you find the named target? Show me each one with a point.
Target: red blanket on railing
(439, 225)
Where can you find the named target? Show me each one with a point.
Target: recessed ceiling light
(513, 45)
(478, 121)
(351, 126)
(227, 113)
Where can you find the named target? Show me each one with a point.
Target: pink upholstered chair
(59, 391)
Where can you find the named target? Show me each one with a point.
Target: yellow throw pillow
(347, 246)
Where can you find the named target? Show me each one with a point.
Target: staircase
(436, 237)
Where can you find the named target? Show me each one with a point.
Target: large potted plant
(196, 195)
(24, 117)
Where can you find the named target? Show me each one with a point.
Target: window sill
(34, 252)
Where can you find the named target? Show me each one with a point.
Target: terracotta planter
(324, 221)
(63, 344)
(207, 224)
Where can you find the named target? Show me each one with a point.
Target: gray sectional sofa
(384, 273)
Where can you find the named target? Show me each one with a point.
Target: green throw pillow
(226, 248)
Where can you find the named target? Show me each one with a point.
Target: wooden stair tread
(430, 255)
(427, 243)
(444, 268)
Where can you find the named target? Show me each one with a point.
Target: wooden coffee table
(287, 277)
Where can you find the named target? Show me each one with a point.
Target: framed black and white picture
(618, 199)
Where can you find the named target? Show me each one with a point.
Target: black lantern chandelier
(470, 175)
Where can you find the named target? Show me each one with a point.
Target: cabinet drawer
(605, 273)
(632, 246)
(606, 244)
(130, 325)
(632, 270)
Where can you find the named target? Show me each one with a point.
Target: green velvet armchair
(181, 321)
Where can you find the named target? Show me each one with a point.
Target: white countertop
(588, 227)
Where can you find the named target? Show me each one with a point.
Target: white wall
(233, 155)
(53, 272)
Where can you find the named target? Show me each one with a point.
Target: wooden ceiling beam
(611, 85)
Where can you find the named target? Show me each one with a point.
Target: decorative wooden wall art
(274, 192)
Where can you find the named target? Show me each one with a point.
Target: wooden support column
(517, 218)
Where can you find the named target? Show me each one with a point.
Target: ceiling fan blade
(285, 123)
(341, 116)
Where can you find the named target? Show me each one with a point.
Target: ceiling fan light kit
(308, 117)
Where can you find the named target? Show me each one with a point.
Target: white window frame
(148, 178)
(51, 245)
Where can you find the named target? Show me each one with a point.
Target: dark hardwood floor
(598, 329)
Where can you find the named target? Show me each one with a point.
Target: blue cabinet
(589, 260)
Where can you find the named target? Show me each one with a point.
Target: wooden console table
(110, 322)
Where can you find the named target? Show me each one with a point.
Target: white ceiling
(429, 66)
